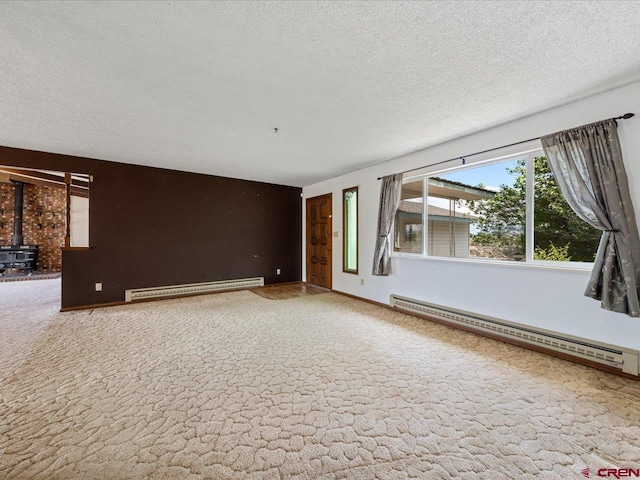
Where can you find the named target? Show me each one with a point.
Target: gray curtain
(390, 191)
(587, 164)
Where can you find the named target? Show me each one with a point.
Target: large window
(350, 230)
(507, 210)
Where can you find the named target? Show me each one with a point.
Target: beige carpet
(235, 386)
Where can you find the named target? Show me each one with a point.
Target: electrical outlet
(362, 281)
(278, 271)
(99, 287)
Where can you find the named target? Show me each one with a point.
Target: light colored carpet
(26, 310)
(235, 386)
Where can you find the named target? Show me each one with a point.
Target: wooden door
(319, 241)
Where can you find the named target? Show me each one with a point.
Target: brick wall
(44, 222)
(6, 213)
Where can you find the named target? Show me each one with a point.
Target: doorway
(319, 235)
(42, 212)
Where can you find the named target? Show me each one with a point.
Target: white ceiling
(201, 86)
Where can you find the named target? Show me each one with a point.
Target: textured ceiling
(201, 86)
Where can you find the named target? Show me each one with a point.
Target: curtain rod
(626, 116)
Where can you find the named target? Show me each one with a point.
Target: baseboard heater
(621, 358)
(192, 289)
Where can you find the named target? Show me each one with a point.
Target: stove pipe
(18, 205)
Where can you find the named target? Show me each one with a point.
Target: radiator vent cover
(191, 289)
(621, 358)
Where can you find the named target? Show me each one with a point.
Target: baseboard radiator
(192, 289)
(621, 358)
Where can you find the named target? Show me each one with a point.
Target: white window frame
(529, 152)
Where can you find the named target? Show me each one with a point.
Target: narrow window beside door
(350, 230)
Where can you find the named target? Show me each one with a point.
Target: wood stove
(17, 255)
(23, 257)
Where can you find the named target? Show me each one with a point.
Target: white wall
(79, 221)
(541, 297)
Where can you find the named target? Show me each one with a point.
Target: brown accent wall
(151, 227)
(43, 222)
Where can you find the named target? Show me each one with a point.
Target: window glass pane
(449, 228)
(479, 212)
(350, 212)
(559, 234)
(408, 222)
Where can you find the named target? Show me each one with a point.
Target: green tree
(557, 254)
(500, 220)
(559, 233)
(556, 224)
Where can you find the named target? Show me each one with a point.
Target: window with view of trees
(508, 210)
(559, 234)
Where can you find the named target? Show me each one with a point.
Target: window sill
(540, 264)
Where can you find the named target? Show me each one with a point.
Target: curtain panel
(587, 165)
(390, 191)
